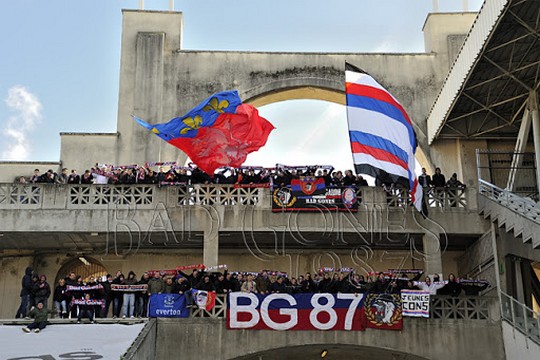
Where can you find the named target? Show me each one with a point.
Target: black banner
(308, 193)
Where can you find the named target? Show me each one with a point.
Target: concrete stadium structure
(475, 87)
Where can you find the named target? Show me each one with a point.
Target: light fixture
(94, 234)
(84, 261)
(324, 353)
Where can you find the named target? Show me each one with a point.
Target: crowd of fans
(280, 175)
(73, 297)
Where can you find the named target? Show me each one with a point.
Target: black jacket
(27, 284)
(60, 294)
(183, 287)
(209, 286)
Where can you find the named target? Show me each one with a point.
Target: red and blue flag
(220, 131)
(381, 134)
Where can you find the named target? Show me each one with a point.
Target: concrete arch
(316, 88)
(93, 268)
(330, 351)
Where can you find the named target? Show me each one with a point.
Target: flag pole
(348, 123)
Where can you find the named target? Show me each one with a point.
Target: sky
(59, 69)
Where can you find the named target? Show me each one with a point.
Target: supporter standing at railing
(61, 299)
(108, 295)
(234, 283)
(74, 178)
(205, 284)
(194, 278)
(349, 178)
(452, 287)
(168, 287)
(308, 285)
(278, 286)
(183, 287)
(439, 182)
(325, 285)
(86, 309)
(452, 185)
(263, 283)
(424, 180)
(36, 178)
(360, 181)
(249, 285)
(26, 290)
(222, 285)
(117, 295)
(87, 178)
(141, 298)
(42, 291)
(128, 307)
(63, 177)
(156, 285)
(432, 287)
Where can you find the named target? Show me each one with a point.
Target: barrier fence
(441, 308)
(75, 196)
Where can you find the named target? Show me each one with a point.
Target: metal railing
(218, 311)
(509, 170)
(442, 308)
(444, 197)
(523, 206)
(521, 317)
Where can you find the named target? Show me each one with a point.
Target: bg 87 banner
(295, 312)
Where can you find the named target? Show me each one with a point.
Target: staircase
(520, 317)
(518, 214)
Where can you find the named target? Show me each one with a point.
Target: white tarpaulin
(69, 341)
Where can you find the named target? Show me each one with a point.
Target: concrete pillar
(533, 107)
(148, 41)
(432, 254)
(520, 296)
(521, 147)
(211, 247)
(467, 168)
(435, 5)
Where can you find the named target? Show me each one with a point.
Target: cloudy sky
(60, 63)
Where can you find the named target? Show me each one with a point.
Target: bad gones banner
(310, 194)
(168, 305)
(415, 303)
(295, 312)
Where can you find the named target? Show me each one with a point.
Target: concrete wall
(430, 339)
(517, 346)
(10, 170)
(444, 34)
(81, 151)
(11, 272)
(144, 346)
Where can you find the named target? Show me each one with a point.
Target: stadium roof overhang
(493, 76)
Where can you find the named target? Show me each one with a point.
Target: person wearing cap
(40, 315)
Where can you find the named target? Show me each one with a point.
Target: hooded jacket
(27, 284)
(42, 290)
